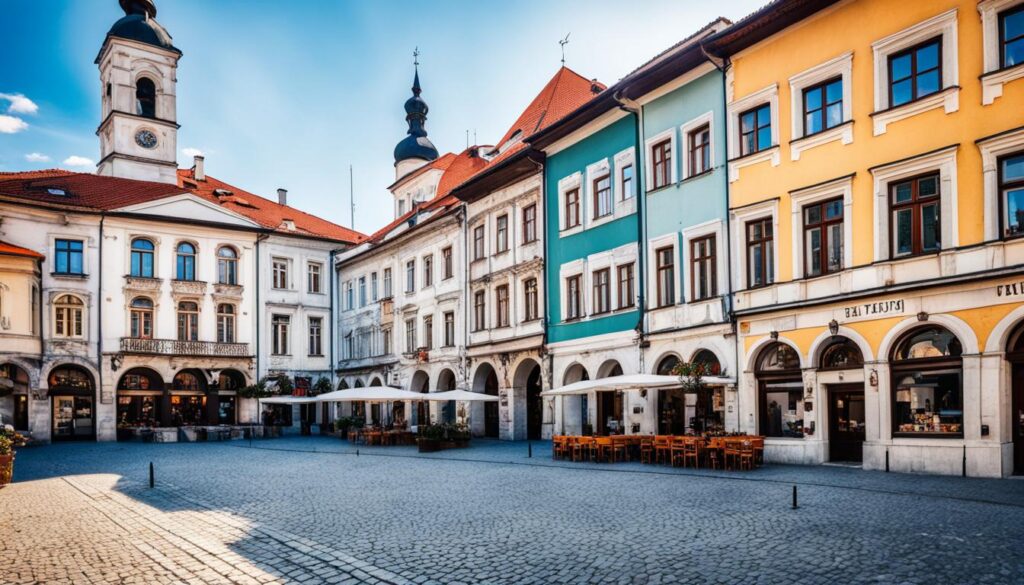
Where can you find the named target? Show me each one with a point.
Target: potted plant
(10, 440)
(430, 439)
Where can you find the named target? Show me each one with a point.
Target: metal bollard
(152, 478)
(794, 498)
(357, 452)
(529, 449)
(887, 461)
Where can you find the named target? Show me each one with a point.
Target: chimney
(282, 196)
(595, 86)
(199, 172)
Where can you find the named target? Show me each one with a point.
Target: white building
(147, 306)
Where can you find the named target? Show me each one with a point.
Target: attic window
(221, 192)
(190, 184)
(56, 191)
(288, 224)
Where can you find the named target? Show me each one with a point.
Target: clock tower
(138, 129)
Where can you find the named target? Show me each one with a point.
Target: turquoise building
(637, 276)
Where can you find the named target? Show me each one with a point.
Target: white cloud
(11, 125)
(191, 152)
(19, 103)
(78, 161)
(37, 157)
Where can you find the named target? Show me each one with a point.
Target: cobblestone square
(313, 510)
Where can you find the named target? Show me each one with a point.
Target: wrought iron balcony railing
(176, 347)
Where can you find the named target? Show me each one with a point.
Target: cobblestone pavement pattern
(309, 510)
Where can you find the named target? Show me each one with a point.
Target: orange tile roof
(269, 214)
(68, 190)
(12, 250)
(563, 93)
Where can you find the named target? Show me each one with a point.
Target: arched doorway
(188, 400)
(528, 388)
(847, 415)
(609, 404)
(229, 382)
(140, 400)
(74, 393)
(421, 383)
(780, 392)
(708, 401)
(14, 383)
(1015, 355)
(576, 409)
(445, 382)
(486, 381)
(672, 415)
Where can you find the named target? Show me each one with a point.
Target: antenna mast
(563, 43)
(351, 197)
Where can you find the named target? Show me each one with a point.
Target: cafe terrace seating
(739, 452)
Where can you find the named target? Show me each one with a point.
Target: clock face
(145, 139)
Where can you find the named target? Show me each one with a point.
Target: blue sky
(289, 94)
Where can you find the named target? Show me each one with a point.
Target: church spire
(416, 146)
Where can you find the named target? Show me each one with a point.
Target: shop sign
(1014, 289)
(872, 309)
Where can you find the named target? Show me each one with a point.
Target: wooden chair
(558, 444)
(620, 448)
(746, 454)
(758, 443)
(691, 452)
(602, 450)
(713, 453)
(678, 451)
(662, 449)
(732, 453)
(647, 450)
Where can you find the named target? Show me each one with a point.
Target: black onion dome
(416, 144)
(139, 24)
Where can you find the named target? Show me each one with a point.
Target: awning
(370, 394)
(287, 400)
(629, 382)
(460, 395)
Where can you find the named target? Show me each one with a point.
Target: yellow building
(876, 169)
(20, 341)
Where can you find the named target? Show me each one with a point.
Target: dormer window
(145, 98)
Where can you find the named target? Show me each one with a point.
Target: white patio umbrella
(369, 394)
(459, 395)
(287, 400)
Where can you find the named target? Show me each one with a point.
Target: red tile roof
(67, 190)
(563, 93)
(267, 213)
(12, 250)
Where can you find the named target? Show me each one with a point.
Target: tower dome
(139, 24)
(416, 145)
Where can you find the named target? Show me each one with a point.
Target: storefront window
(187, 410)
(138, 411)
(780, 389)
(226, 410)
(927, 384)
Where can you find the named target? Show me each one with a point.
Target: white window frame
(621, 256)
(943, 161)
(740, 218)
(285, 348)
(669, 133)
(320, 335)
(621, 160)
(714, 227)
(287, 272)
(595, 170)
(653, 245)
(575, 268)
(802, 198)
(684, 132)
(841, 66)
(994, 77)
(991, 149)
(374, 291)
(596, 262)
(83, 308)
(566, 184)
(948, 97)
(768, 95)
(319, 266)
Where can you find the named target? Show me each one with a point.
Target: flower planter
(6, 469)
(429, 445)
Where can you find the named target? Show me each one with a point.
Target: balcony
(227, 291)
(188, 287)
(183, 348)
(142, 284)
(387, 311)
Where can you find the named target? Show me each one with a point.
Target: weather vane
(416, 56)
(564, 42)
